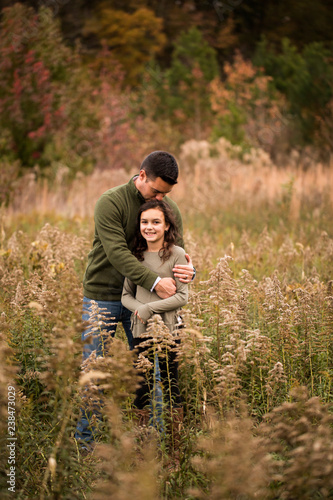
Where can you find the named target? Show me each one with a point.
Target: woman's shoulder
(178, 251)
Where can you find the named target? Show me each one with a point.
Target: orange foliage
(246, 89)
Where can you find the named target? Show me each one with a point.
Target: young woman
(155, 247)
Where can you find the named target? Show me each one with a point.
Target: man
(111, 259)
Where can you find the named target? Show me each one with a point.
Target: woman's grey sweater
(137, 298)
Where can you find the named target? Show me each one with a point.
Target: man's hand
(184, 272)
(165, 288)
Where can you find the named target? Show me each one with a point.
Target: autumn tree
(55, 113)
(305, 78)
(248, 111)
(31, 72)
(134, 38)
(193, 66)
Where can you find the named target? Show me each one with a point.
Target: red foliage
(29, 99)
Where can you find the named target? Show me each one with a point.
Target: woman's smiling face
(153, 226)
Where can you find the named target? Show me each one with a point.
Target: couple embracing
(137, 266)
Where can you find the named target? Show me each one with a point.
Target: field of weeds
(255, 356)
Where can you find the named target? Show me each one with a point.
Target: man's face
(153, 189)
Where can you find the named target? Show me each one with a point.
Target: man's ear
(142, 175)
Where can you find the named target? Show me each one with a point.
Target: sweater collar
(133, 189)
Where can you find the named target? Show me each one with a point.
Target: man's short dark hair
(161, 164)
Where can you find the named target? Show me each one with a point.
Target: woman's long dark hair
(170, 236)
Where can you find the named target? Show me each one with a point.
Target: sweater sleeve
(179, 222)
(171, 303)
(108, 222)
(128, 296)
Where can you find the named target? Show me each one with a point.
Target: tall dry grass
(213, 174)
(255, 356)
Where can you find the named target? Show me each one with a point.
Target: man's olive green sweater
(111, 259)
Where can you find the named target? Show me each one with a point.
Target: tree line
(80, 79)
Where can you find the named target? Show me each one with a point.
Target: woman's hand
(138, 316)
(185, 272)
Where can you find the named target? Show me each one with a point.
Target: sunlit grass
(257, 347)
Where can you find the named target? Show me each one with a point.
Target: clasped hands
(166, 287)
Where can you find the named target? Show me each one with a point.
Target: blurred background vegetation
(88, 85)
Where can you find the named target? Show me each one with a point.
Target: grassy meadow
(255, 356)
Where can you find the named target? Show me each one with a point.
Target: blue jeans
(117, 313)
